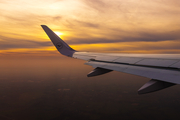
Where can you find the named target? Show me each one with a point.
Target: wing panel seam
(157, 67)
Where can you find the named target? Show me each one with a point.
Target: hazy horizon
(56, 87)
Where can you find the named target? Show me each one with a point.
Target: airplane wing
(162, 69)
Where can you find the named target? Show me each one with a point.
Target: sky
(127, 26)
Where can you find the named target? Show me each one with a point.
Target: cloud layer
(86, 22)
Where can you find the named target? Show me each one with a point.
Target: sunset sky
(132, 26)
(38, 83)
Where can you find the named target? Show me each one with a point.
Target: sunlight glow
(94, 25)
(58, 33)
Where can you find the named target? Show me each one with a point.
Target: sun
(58, 33)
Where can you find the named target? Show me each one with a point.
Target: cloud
(11, 43)
(89, 22)
(132, 47)
(86, 24)
(137, 37)
(98, 5)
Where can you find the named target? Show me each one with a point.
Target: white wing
(162, 69)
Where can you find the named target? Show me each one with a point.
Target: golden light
(58, 33)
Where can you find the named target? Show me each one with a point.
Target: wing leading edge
(163, 70)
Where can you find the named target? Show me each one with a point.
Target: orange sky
(138, 26)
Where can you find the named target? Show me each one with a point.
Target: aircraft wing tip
(43, 26)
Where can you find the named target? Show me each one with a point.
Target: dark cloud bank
(9, 43)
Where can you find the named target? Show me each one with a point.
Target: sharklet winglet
(61, 46)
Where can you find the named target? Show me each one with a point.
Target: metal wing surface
(162, 69)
